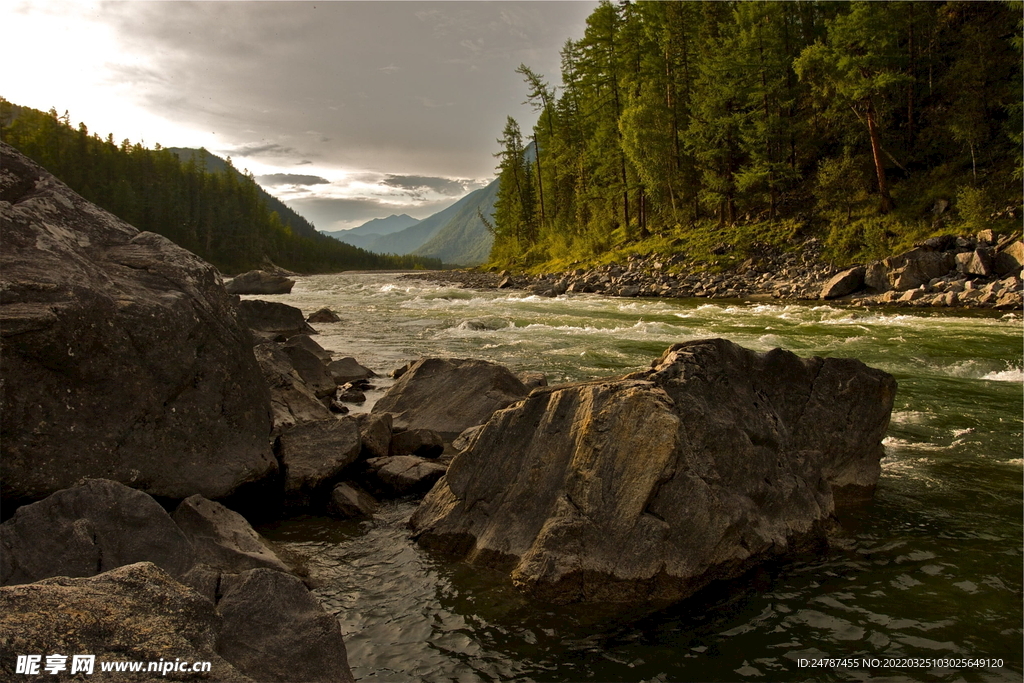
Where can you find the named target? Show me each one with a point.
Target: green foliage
(693, 125)
(975, 208)
(221, 215)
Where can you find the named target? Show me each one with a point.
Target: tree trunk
(876, 153)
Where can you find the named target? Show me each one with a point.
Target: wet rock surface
(449, 395)
(259, 282)
(648, 487)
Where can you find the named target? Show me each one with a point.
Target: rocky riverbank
(979, 271)
(149, 415)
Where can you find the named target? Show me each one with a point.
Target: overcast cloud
(393, 104)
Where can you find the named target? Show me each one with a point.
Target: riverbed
(929, 571)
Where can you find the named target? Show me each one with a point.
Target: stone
(978, 262)
(275, 630)
(876, 277)
(987, 236)
(629, 291)
(259, 282)
(402, 475)
(345, 370)
(222, 539)
(425, 443)
(910, 295)
(374, 434)
(122, 355)
(349, 394)
(311, 370)
(916, 267)
(532, 380)
(846, 282)
(273, 318)
(308, 343)
(323, 315)
(1010, 258)
(644, 489)
(1009, 301)
(87, 529)
(348, 500)
(313, 456)
(132, 613)
(465, 439)
(291, 401)
(449, 395)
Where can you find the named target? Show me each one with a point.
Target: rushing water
(931, 569)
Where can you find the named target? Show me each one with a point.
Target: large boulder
(648, 487)
(348, 369)
(133, 613)
(401, 475)
(917, 267)
(291, 401)
(259, 282)
(272, 318)
(122, 355)
(313, 456)
(275, 630)
(311, 369)
(91, 528)
(1010, 258)
(222, 539)
(846, 282)
(449, 395)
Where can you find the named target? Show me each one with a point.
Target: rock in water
(649, 487)
(134, 613)
(449, 395)
(275, 630)
(222, 539)
(122, 355)
(260, 282)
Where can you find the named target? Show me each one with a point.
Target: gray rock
(465, 439)
(876, 276)
(375, 434)
(532, 380)
(313, 456)
(348, 500)
(449, 395)
(259, 282)
(291, 401)
(349, 394)
(916, 267)
(647, 488)
(846, 282)
(977, 262)
(425, 443)
(308, 343)
(135, 613)
(405, 474)
(323, 315)
(311, 369)
(275, 630)
(345, 370)
(222, 539)
(1010, 258)
(272, 317)
(122, 355)
(87, 529)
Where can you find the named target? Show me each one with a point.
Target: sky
(347, 111)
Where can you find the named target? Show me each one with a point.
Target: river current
(931, 570)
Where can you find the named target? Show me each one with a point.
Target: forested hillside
(717, 129)
(220, 215)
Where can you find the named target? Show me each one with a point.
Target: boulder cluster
(134, 385)
(980, 271)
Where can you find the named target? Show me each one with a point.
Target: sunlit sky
(346, 110)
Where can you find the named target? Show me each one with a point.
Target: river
(930, 570)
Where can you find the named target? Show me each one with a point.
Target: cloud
(444, 186)
(267, 149)
(291, 179)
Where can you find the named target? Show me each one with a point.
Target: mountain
(366, 234)
(381, 226)
(464, 239)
